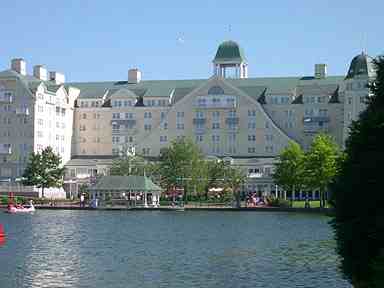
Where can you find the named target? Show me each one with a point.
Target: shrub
(278, 202)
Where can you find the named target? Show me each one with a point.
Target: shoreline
(325, 211)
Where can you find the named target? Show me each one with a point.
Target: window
(269, 148)
(147, 115)
(127, 103)
(362, 99)
(147, 127)
(216, 114)
(251, 150)
(215, 138)
(129, 116)
(201, 102)
(180, 114)
(199, 114)
(215, 125)
(180, 126)
(309, 112)
(215, 90)
(39, 134)
(163, 138)
(162, 115)
(323, 112)
(165, 125)
(115, 115)
(251, 125)
(232, 137)
(40, 122)
(146, 151)
(349, 100)
(199, 138)
(252, 138)
(232, 113)
(251, 113)
(115, 139)
(269, 137)
(40, 109)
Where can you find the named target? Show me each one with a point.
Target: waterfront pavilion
(137, 190)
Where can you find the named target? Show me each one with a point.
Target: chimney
(19, 65)
(320, 71)
(56, 77)
(134, 76)
(40, 72)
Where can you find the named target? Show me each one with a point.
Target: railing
(232, 120)
(226, 105)
(199, 120)
(6, 99)
(22, 111)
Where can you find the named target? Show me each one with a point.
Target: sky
(101, 40)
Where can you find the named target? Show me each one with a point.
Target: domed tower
(230, 61)
(361, 71)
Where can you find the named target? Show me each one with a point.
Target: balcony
(125, 131)
(199, 121)
(5, 149)
(217, 105)
(124, 122)
(232, 121)
(6, 98)
(316, 124)
(22, 111)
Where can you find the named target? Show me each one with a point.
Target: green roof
(229, 51)
(126, 183)
(361, 65)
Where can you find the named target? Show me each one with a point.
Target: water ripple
(165, 249)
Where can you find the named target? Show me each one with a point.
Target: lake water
(168, 249)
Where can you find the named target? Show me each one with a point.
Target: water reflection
(165, 249)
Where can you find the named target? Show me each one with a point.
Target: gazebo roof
(126, 183)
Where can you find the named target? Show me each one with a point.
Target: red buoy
(2, 234)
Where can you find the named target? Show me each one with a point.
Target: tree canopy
(358, 193)
(321, 164)
(44, 170)
(289, 169)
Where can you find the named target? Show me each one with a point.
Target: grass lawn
(301, 204)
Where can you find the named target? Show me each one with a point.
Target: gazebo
(138, 190)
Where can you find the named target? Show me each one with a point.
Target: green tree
(128, 165)
(358, 193)
(44, 170)
(234, 179)
(321, 164)
(289, 170)
(182, 164)
(215, 172)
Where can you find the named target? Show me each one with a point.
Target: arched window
(215, 90)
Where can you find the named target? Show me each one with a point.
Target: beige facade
(228, 115)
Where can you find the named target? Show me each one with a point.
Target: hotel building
(246, 121)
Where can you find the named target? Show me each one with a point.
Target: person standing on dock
(82, 204)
